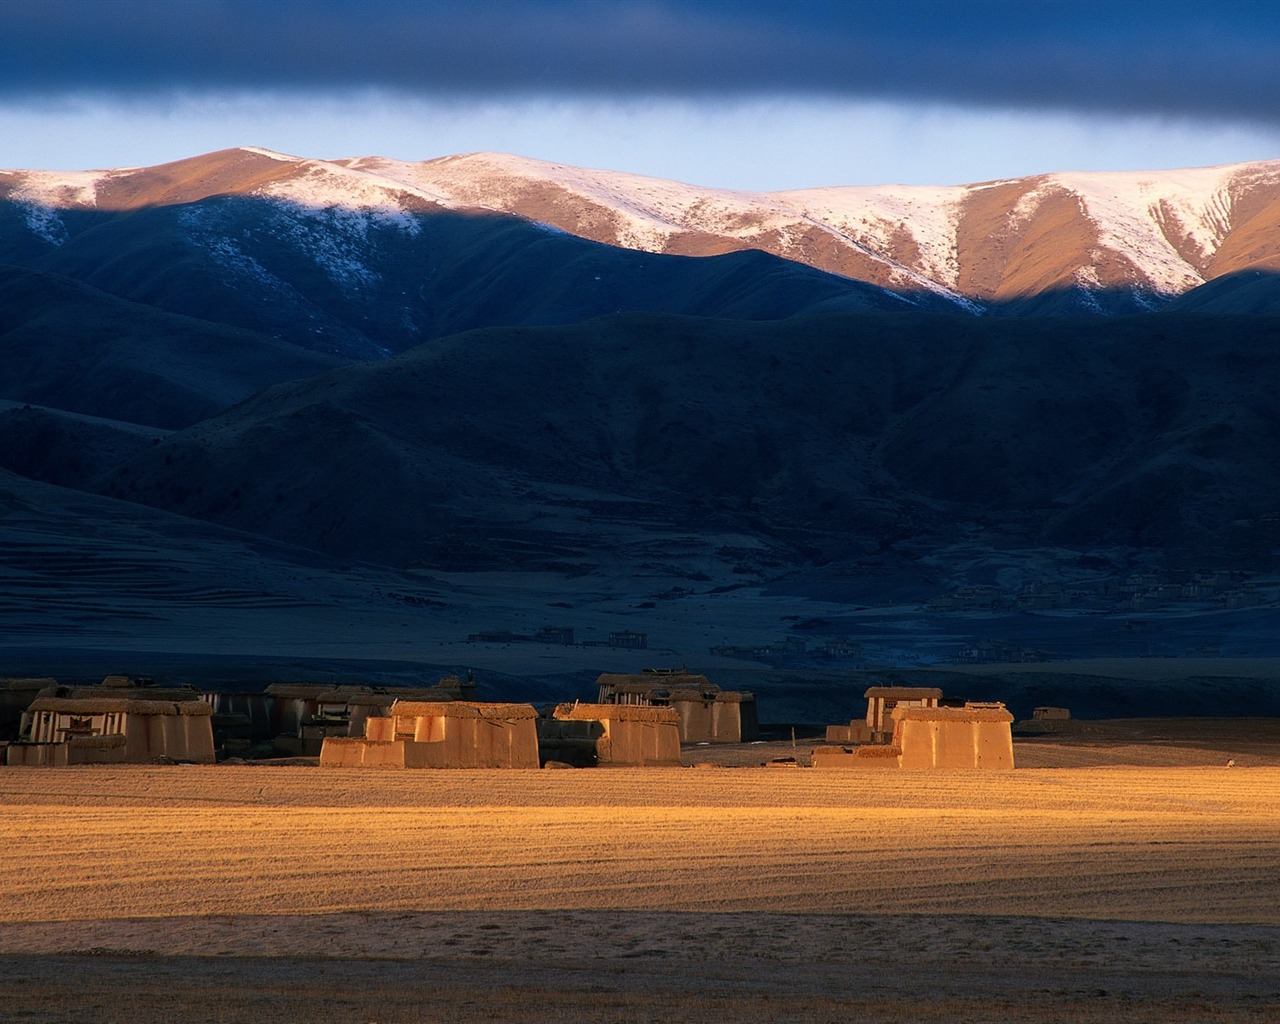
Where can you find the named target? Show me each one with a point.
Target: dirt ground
(1111, 890)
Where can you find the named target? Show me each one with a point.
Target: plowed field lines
(1183, 845)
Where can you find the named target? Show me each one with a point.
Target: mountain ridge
(364, 281)
(1092, 241)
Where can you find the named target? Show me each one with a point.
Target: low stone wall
(856, 757)
(856, 731)
(37, 755)
(345, 752)
(110, 749)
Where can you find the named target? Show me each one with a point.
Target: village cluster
(638, 719)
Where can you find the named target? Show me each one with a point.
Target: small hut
(882, 700)
(441, 734)
(306, 714)
(978, 735)
(115, 729)
(641, 687)
(713, 716)
(707, 713)
(614, 734)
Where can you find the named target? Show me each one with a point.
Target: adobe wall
(882, 701)
(994, 745)
(259, 708)
(439, 742)
(348, 752)
(38, 755)
(198, 739)
(142, 735)
(696, 722)
(291, 711)
(359, 716)
(481, 743)
(715, 720)
(622, 733)
(177, 737)
(639, 743)
(16, 695)
(109, 749)
(726, 722)
(859, 757)
(856, 731)
(379, 728)
(954, 739)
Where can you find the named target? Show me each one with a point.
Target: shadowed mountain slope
(66, 448)
(73, 347)
(824, 436)
(1250, 292)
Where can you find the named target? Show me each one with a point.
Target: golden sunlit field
(1112, 892)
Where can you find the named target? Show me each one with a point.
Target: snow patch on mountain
(1088, 284)
(883, 219)
(334, 238)
(43, 193)
(328, 211)
(45, 222)
(644, 210)
(391, 176)
(901, 276)
(271, 154)
(205, 229)
(1024, 210)
(1134, 213)
(351, 199)
(1199, 198)
(228, 254)
(59, 189)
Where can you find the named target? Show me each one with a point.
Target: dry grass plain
(1111, 890)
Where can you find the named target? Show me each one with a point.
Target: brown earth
(1109, 892)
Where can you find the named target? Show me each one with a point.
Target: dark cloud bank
(1172, 58)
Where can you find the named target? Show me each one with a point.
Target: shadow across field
(586, 966)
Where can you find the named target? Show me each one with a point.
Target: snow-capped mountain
(1078, 242)
(1144, 235)
(349, 262)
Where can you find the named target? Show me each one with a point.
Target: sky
(744, 94)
